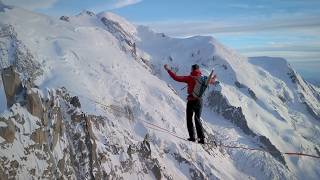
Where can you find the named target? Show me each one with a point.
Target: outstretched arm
(175, 77)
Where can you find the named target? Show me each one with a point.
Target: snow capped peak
(125, 24)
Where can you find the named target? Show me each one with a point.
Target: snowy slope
(281, 110)
(115, 69)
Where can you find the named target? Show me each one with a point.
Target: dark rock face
(272, 149)
(252, 94)
(75, 102)
(90, 13)
(39, 136)
(239, 85)
(220, 104)
(293, 76)
(34, 104)
(317, 150)
(12, 84)
(8, 133)
(65, 18)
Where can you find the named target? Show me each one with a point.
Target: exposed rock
(57, 128)
(34, 104)
(8, 133)
(272, 149)
(88, 13)
(65, 18)
(239, 85)
(283, 99)
(12, 84)
(145, 155)
(196, 175)
(156, 170)
(129, 113)
(39, 136)
(145, 150)
(13, 168)
(252, 94)
(225, 66)
(293, 76)
(75, 102)
(220, 104)
(61, 164)
(317, 150)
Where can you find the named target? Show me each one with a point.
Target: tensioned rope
(161, 129)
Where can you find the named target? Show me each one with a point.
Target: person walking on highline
(194, 104)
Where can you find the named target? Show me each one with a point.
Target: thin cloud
(246, 6)
(122, 3)
(31, 4)
(213, 27)
(114, 4)
(291, 55)
(284, 48)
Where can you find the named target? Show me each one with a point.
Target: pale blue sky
(283, 28)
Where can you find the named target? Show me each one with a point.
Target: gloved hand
(166, 67)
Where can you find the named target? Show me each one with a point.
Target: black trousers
(194, 107)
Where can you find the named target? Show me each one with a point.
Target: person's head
(194, 67)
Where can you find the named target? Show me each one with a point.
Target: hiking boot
(191, 139)
(201, 141)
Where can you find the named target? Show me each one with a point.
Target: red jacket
(187, 79)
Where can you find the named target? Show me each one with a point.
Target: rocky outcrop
(86, 12)
(317, 150)
(75, 102)
(239, 85)
(11, 83)
(250, 91)
(272, 149)
(34, 104)
(218, 103)
(8, 132)
(64, 18)
(252, 94)
(39, 136)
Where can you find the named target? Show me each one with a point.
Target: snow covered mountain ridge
(80, 96)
